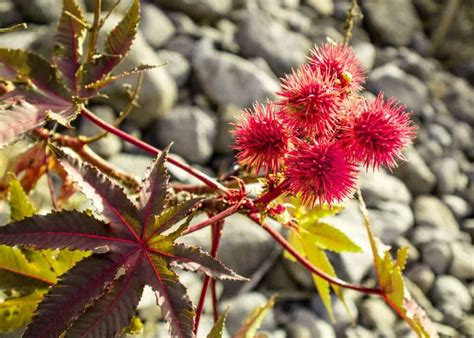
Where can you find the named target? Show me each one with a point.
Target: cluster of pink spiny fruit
(321, 129)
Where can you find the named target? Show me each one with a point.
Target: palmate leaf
(254, 320)
(328, 237)
(16, 311)
(70, 36)
(98, 296)
(117, 44)
(218, 329)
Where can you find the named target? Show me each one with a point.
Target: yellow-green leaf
(16, 312)
(318, 258)
(329, 237)
(254, 320)
(20, 205)
(402, 255)
(218, 328)
(135, 327)
(397, 287)
(294, 239)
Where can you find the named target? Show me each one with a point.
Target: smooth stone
(315, 326)
(230, 79)
(415, 173)
(191, 129)
(422, 276)
(156, 27)
(376, 314)
(438, 256)
(260, 36)
(450, 290)
(391, 220)
(459, 206)
(379, 186)
(431, 211)
(176, 65)
(462, 264)
(395, 82)
(201, 10)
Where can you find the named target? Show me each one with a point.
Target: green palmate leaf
(16, 272)
(16, 311)
(402, 256)
(20, 205)
(99, 295)
(117, 44)
(218, 329)
(70, 36)
(328, 237)
(135, 327)
(318, 258)
(254, 320)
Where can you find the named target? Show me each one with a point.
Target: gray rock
(315, 326)
(224, 140)
(449, 175)
(467, 326)
(22, 39)
(379, 186)
(156, 27)
(107, 5)
(422, 276)
(8, 13)
(376, 314)
(414, 64)
(106, 146)
(183, 44)
(403, 330)
(449, 290)
(440, 134)
(176, 65)
(459, 97)
(198, 9)
(132, 163)
(344, 318)
(415, 173)
(365, 52)
(229, 79)
(240, 237)
(468, 226)
(462, 264)
(391, 220)
(358, 331)
(39, 11)
(432, 212)
(158, 93)
(391, 22)
(260, 35)
(323, 7)
(422, 234)
(395, 82)
(241, 307)
(191, 129)
(460, 207)
(438, 256)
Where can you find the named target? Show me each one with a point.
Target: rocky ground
(221, 56)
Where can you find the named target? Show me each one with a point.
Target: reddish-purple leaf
(176, 307)
(107, 197)
(194, 259)
(76, 289)
(107, 316)
(153, 193)
(63, 230)
(117, 44)
(69, 39)
(103, 295)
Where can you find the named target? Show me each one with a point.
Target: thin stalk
(216, 238)
(218, 217)
(215, 302)
(272, 194)
(94, 31)
(333, 280)
(152, 150)
(351, 15)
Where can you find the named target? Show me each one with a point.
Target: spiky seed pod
(309, 102)
(377, 134)
(341, 62)
(262, 139)
(320, 172)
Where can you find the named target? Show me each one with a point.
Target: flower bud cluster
(320, 129)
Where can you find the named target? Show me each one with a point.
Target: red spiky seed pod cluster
(321, 129)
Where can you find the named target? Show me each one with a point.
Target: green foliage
(17, 311)
(310, 236)
(218, 328)
(255, 319)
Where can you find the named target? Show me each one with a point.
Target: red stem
(214, 300)
(220, 216)
(272, 193)
(211, 183)
(333, 280)
(216, 238)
